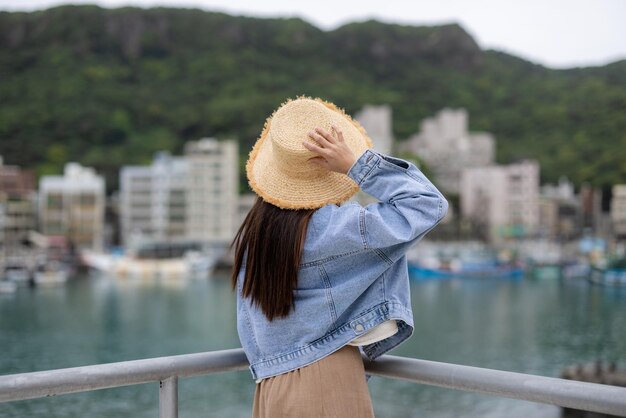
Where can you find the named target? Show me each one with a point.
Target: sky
(555, 33)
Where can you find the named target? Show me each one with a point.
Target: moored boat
(546, 271)
(156, 260)
(575, 270)
(613, 277)
(7, 286)
(51, 273)
(494, 271)
(16, 272)
(462, 260)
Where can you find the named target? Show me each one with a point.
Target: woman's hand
(333, 153)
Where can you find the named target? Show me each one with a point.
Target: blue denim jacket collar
(353, 275)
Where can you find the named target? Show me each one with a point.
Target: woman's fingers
(326, 135)
(339, 133)
(319, 139)
(332, 151)
(314, 146)
(325, 138)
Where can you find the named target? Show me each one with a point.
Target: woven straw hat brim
(313, 191)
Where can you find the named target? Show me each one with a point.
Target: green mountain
(109, 87)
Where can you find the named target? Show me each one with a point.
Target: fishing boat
(575, 269)
(472, 260)
(16, 272)
(7, 286)
(546, 271)
(613, 277)
(51, 273)
(612, 274)
(466, 270)
(152, 260)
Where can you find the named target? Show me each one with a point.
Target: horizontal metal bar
(572, 394)
(561, 392)
(82, 379)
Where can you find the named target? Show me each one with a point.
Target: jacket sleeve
(410, 205)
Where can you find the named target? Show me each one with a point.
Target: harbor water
(521, 325)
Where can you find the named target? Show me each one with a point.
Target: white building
(212, 190)
(502, 199)
(378, 124)
(72, 205)
(618, 210)
(135, 202)
(153, 199)
(193, 197)
(447, 147)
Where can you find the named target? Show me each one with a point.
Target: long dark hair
(274, 239)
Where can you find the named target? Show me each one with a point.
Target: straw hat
(278, 169)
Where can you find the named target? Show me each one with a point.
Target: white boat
(612, 277)
(461, 260)
(156, 260)
(52, 273)
(577, 269)
(98, 261)
(16, 273)
(7, 286)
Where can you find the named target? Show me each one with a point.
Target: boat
(7, 286)
(487, 271)
(575, 270)
(472, 260)
(546, 271)
(160, 260)
(612, 273)
(51, 273)
(16, 272)
(613, 277)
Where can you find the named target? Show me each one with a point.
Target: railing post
(168, 397)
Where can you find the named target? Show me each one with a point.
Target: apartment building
(377, 122)
(503, 200)
(153, 199)
(72, 205)
(445, 144)
(213, 190)
(560, 211)
(18, 208)
(190, 197)
(618, 211)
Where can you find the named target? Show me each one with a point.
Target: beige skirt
(334, 386)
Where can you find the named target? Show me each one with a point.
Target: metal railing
(167, 370)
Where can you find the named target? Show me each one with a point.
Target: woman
(316, 280)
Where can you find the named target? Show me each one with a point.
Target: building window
(87, 199)
(54, 201)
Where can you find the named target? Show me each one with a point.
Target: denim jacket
(353, 273)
